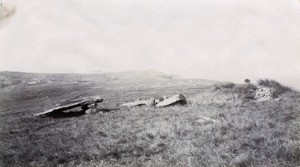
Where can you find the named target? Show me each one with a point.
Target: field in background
(239, 132)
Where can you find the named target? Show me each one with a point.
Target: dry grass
(240, 133)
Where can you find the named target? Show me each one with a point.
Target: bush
(247, 81)
(4, 84)
(278, 88)
(246, 91)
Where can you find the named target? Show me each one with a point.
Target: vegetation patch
(218, 128)
(278, 88)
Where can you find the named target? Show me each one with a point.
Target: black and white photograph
(149, 83)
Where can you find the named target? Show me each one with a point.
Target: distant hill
(139, 74)
(136, 79)
(152, 78)
(97, 72)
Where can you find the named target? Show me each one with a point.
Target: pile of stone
(263, 94)
(158, 102)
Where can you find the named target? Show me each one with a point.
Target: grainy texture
(235, 132)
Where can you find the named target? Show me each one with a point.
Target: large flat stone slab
(179, 98)
(83, 102)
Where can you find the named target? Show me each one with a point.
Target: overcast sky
(212, 39)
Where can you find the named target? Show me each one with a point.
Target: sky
(225, 40)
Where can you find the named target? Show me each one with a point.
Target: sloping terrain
(151, 78)
(129, 79)
(220, 126)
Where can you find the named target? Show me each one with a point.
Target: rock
(151, 102)
(179, 98)
(92, 108)
(157, 101)
(84, 103)
(263, 94)
(93, 105)
(91, 111)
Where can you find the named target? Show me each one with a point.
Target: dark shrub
(247, 81)
(4, 84)
(245, 91)
(228, 86)
(278, 88)
(242, 89)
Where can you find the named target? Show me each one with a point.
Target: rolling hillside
(138, 79)
(220, 126)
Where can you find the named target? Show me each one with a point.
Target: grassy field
(239, 132)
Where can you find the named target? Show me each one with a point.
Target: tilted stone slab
(84, 103)
(179, 98)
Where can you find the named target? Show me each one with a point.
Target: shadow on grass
(61, 114)
(109, 109)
